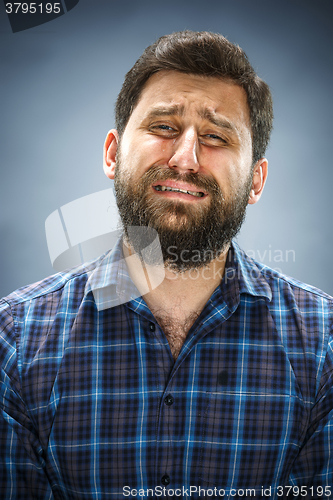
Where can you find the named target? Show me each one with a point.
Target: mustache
(157, 173)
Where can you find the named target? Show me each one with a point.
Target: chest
(231, 384)
(175, 329)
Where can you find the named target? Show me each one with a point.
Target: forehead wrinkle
(167, 110)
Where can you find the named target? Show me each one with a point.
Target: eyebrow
(206, 114)
(216, 120)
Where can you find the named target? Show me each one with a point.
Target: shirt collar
(250, 276)
(110, 282)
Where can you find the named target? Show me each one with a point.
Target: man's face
(184, 166)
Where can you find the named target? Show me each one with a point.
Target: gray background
(59, 82)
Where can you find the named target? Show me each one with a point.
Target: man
(215, 382)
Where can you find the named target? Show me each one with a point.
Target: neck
(182, 290)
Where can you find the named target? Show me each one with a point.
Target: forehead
(193, 93)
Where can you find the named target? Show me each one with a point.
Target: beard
(191, 235)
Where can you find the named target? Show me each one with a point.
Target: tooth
(195, 193)
(178, 190)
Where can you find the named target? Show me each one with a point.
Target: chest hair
(175, 329)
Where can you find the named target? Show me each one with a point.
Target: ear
(110, 152)
(258, 180)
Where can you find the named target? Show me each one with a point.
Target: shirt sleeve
(313, 467)
(22, 467)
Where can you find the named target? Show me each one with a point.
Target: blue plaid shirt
(93, 405)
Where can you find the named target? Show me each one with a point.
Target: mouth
(172, 187)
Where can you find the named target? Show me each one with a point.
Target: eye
(216, 137)
(163, 129)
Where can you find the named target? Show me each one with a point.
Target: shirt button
(169, 400)
(151, 327)
(165, 480)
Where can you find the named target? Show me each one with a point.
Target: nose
(184, 156)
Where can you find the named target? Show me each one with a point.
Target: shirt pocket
(250, 439)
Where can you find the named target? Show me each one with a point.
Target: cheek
(152, 151)
(229, 172)
(217, 162)
(158, 147)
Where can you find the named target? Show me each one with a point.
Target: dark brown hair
(200, 53)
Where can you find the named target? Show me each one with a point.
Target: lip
(179, 185)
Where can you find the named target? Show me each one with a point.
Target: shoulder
(39, 317)
(302, 309)
(287, 289)
(279, 286)
(301, 316)
(296, 308)
(42, 299)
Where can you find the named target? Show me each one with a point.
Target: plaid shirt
(93, 405)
